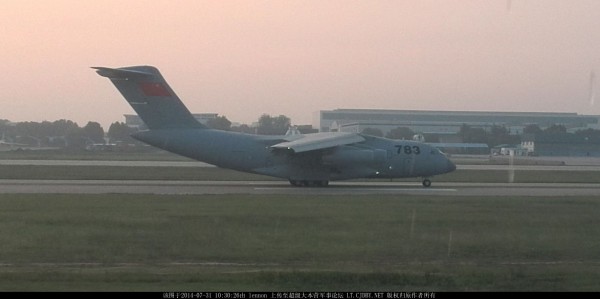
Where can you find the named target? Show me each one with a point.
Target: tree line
(68, 134)
(266, 125)
(495, 136)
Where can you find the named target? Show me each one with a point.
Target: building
(561, 145)
(444, 122)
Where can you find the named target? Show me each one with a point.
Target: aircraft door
(409, 166)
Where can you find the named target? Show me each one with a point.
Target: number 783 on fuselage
(303, 159)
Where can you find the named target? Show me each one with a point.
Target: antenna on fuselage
(292, 130)
(419, 138)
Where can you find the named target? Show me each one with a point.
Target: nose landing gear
(426, 183)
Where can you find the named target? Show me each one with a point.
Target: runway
(578, 165)
(282, 187)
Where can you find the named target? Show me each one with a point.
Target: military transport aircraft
(305, 160)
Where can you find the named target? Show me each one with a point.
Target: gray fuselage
(374, 158)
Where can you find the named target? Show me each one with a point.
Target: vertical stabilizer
(151, 97)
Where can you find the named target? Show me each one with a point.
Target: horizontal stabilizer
(317, 141)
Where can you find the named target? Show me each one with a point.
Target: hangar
(445, 122)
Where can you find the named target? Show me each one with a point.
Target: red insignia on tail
(154, 89)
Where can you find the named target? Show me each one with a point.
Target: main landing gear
(308, 183)
(426, 183)
(316, 183)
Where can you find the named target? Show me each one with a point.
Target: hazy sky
(244, 58)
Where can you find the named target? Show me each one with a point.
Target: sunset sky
(245, 58)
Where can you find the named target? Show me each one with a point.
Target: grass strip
(293, 242)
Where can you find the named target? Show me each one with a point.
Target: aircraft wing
(317, 141)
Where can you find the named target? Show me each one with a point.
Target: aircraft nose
(451, 166)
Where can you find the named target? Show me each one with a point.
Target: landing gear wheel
(321, 183)
(308, 183)
(296, 183)
(426, 183)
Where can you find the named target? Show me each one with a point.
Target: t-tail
(151, 97)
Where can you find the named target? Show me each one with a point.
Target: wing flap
(317, 141)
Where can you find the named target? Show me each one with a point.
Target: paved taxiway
(281, 187)
(593, 165)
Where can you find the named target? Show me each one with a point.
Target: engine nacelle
(355, 156)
